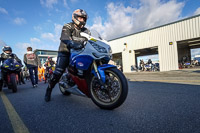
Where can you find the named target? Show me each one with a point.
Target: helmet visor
(8, 52)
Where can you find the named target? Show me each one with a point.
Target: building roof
(156, 27)
(45, 50)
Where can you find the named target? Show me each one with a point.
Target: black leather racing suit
(4, 57)
(70, 38)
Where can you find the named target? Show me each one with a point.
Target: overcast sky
(38, 23)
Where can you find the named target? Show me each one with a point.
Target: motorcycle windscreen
(83, 62)
(11, 64)
(8, 62)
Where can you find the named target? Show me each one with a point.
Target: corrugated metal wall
(161, 36)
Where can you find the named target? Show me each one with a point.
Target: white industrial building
(171, 42)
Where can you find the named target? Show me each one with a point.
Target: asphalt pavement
(151, 107)
(183, 76)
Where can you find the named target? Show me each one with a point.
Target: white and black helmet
(79, 13)
(7, 48)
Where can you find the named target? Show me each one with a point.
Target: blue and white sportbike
(90, 75)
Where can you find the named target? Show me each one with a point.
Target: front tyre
(114, 92)
(13, 83)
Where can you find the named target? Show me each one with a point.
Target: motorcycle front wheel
(13, 83)
(114, 91)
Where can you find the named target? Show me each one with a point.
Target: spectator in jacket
(32, 61)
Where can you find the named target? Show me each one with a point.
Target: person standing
(142, 64)
(32, 61)
(41, 73)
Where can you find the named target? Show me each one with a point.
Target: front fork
(96, 70)
(100, 74)
(102, 79)
(99, 71)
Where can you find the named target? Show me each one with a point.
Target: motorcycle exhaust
(74, 89)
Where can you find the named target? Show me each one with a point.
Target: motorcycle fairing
(82, 84)
(82, 62)
(11, 65)
(101, 70)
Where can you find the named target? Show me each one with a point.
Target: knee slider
(59, 71)
(54, 80)
(55, 77)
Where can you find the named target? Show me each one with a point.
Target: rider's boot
(53, 80)
(62, 63)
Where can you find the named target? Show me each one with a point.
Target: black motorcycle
(10, 70)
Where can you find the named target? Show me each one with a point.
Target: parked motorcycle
(187, 64)
(11, 68)
(49, 73)
(148, 67)
(90, 75)
(156, 67)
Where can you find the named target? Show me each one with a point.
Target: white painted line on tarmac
(170, 81)
(17, 124)
(189, 81)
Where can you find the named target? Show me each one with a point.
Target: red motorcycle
(10, 69)
(49, 72)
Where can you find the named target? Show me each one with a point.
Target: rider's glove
(77, 46)
(80, 40)
(71, 44)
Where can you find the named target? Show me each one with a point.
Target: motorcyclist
(142, 65)
(149, 62)
(48, 64)
(7, 53)
(70, 38)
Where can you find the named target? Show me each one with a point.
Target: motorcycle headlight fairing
(98, 48)
(110, 50)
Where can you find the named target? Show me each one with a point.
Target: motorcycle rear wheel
(115, 92)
